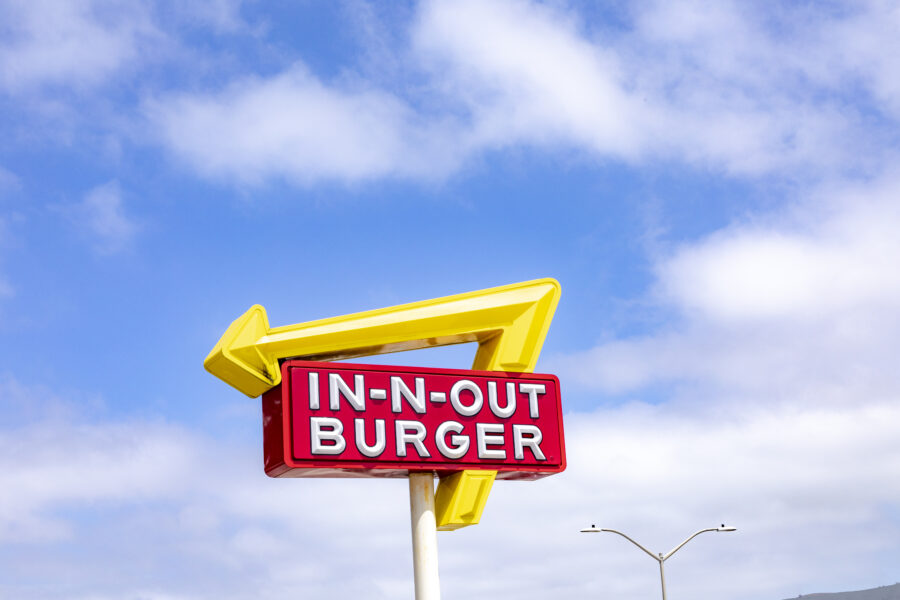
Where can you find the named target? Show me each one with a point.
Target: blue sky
(714, 186)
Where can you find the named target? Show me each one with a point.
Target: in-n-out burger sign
(343, 419)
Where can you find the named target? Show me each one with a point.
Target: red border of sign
(278, 460)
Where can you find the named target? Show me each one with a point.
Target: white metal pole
(424, 536)
(662, 575)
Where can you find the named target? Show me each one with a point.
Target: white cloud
(527, 75)
(712, 86)
(78, 44)
(848, 262)
(151, 494)
(296, 127)
(756, 91)
(728, 87)
(77, 465)
(101, 218)
(797, 483)
(803, 305)
(860, 49)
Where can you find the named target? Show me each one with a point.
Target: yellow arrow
(508, 322)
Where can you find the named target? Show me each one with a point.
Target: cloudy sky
(715, 185)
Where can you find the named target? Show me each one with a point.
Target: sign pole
(424, 536)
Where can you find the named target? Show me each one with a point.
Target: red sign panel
(350, 420)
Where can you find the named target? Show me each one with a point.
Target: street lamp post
(661, 558)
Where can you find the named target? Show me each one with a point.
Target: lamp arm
(678, 547)
(653, 556)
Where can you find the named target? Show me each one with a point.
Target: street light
(661, 558)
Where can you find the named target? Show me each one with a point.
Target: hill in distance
(885, 592)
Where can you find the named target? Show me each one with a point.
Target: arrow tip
(236, 360)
